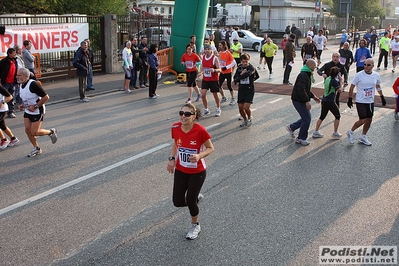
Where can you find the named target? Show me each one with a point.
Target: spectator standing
(143, 49)
(366, 82)
(20, 64)
(218, 36)
(81, 62)
(298, 35)
(234, 35)
(288, 30)
(8, 74)
(290, 56)
(127, 66)
(91, 58)
(193, 39)
(137, 63)
(29, 59)
(153, 70)
(384, 50)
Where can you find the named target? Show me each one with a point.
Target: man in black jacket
(300, 97)
(289, 57)
(325, 72)
(82, 63)
(8, 75)
(144, 59)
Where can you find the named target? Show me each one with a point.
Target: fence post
(111, 45)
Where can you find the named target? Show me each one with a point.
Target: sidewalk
(67, 90)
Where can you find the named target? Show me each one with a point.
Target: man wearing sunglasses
(366, 82)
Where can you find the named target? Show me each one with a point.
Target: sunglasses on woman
(186, 114)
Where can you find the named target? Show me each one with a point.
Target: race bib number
(368, 92)
(307, 56)
(342, 60)
(363, 58)
(184, 157)
(222, 63)
(245, 81)
(189, 64)
(207, 72)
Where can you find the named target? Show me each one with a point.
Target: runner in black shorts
(246, 91)
(5, 97)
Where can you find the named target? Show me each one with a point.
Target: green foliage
(361, 9)
(88, 7)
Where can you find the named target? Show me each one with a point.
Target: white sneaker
(264, 67)
(290, 132)
(317, 134)
(249, 122)
(232, 101)
(363, 139)
(303, 142)
(270, 76)
(4, 144)
(336, 135)
(218, 112)
(206, 112)
(351, 136)
(193, 232)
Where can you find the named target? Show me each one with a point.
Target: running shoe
(11, 115)
(303, 142)
(249, 122)
(232, 101)
(363, 139)
(85, 100)
(198, 98)
(35, 151)
(13, 142)
(317, 134)
(351, 136)
(336, 135)
(193, 232)
(270, 76)
(396, 116)
(218, 112)
(290, 132)
(53, 135)
(4, 144)
(385, 68)
(128, 91)
(244, 124)
(378, 68)
(188, 100)
(224, 99)
(206, 112)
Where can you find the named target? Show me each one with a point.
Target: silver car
(246, 38)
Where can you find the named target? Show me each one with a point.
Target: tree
(92, 7)
(362, 9)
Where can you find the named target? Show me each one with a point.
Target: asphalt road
(102, 196)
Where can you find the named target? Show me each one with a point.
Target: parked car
(247, 39)
(157, 35)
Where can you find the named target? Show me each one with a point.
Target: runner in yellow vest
(270, 50)
(236, 50)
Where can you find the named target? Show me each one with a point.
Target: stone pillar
(111, 44)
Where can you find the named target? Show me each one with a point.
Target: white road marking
(80, 179)
(276, 100)
(86, 177)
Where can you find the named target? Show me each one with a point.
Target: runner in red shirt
(190, 59)
(192, 143)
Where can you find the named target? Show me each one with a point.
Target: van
(161, 36)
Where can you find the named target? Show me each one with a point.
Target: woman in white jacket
(127, 65)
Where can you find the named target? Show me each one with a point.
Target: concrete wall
(112, 64)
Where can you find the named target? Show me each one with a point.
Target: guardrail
(165, 58)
